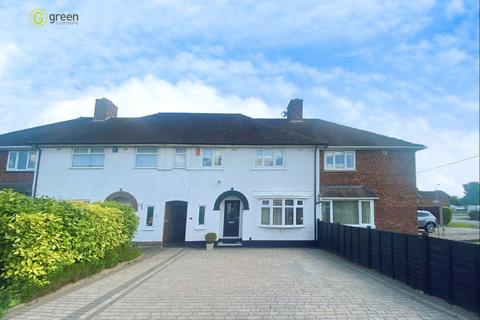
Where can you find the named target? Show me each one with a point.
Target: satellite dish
(284, 114)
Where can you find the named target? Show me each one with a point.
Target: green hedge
(41, 237)
(447, 215)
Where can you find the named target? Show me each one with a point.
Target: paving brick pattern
(240, 284)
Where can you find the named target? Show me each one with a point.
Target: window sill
(281, 227)
(87, 168)
(340, 170)
(268, 169)
(154, 168)
(207, 169)
(19, 170)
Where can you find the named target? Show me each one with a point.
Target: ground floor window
(201, 216)
(149, 218)
(281, 212)
(350, 212)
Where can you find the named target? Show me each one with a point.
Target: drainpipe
(315, 191)
(37, 167)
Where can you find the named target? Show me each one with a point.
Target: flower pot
(209, 246)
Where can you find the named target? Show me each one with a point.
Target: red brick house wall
(19, 180)
(392, 177)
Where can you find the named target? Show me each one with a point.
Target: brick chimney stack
(295, 110)
(104, 109)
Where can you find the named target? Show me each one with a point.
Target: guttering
(417, 147)
(15, 147)
(37, 167)
(315, 192)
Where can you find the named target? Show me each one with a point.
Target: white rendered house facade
(276, 181)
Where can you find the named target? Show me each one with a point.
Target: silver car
(426, 220)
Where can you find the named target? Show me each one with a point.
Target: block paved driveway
(240, 284)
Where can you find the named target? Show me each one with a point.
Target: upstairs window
(146, 158)
(212, 157)
(88, 158)
(339, 160)
(180, 158)
(21, 160)
(269, 158)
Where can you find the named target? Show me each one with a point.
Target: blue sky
(407, 69)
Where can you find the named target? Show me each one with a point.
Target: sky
(408, 69)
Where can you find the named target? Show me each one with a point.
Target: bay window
(348, 212)
(281, 212)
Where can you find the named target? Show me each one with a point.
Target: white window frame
(333, 154)
(274, 165)
(215, 152)
(89, 152)
(204, 216)
(17, 157)
(283, 225)
(359, 200)
(145, 226)
(183, 154)
(153, 153)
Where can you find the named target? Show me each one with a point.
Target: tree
(471, 193)
(456, 201)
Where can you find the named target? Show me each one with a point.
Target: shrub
(210, 237)
(41, 237)
(474, 215)
(447, 215)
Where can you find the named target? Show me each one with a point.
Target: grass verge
(22, 292)
(461, 225)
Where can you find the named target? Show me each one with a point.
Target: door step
(229, 243)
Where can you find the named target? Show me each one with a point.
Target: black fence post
(369, 246)
(407, 268)
(450, 273)
(380, 255)
(426, 273)
(338, 238)
(392, 254)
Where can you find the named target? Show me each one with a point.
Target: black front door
(231, 219)
(175, 222)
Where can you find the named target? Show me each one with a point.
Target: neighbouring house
(433, 201)
(252, 181)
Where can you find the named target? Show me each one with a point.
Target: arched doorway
(175, 222)
(123, 197)
(234, 202)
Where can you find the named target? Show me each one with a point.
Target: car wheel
(430, 227)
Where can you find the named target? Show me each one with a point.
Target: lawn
(461, 225)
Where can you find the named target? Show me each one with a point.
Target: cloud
(454, 7)
(138, 97)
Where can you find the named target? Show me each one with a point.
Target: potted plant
(210, 239)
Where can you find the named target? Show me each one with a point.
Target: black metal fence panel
(444, 268)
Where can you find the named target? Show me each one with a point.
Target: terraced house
(252, 181)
